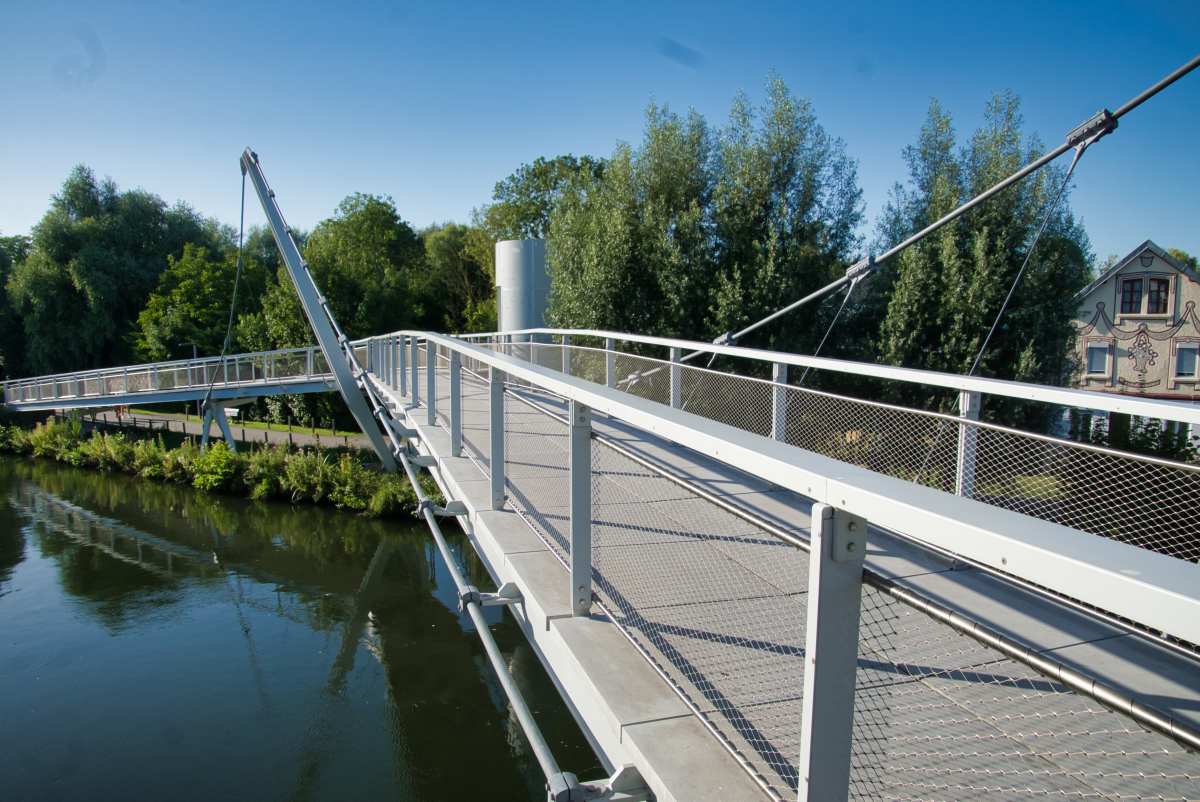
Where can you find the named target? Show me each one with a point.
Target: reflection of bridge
(748, 589)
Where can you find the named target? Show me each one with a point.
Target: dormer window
(1131, 296)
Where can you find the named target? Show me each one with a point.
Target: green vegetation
(339, 476)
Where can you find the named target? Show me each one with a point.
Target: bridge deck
(716, 607)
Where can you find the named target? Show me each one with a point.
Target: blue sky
(434, 103)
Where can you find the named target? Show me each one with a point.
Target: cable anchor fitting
(466, 596)
(861, 268)
(1101, 125)
(726, 339)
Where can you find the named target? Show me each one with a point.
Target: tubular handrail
(1087, 399)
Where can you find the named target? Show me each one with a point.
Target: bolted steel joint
(861, 268)
(425, 504)
(565, 787)
(726, 339)
(467, 595)
(1102, 124)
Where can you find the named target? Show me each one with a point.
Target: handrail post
(496, 435)
(610, 362)
(402, 371)
(839, 543)
(430, 382)
(580, 460)
(155, 381)
(779, 402)
(125, 373)
(455, 404)
(415, 370)
(968, 445)
(308, 364)
(566, 352)
(676, 378)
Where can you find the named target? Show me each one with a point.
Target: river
(158, 642)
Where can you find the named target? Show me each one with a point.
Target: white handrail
(1155, 590)
(1086, 399)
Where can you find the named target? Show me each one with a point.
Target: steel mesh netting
(441, 385)
(715, 603)
(536, 471)
(938, 716)
(1148, 503)
(891, 440)
(476, 415)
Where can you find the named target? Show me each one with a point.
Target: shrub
(219, 468)
(266, 471)
(309, 475)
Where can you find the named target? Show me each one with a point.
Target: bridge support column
(496, 435)
(580, 462)
(213, 410)
(779, 403)
(415, 354)
(455, 404)
(431, 382)
(839, 543)
(610, 362)
(676, 378)
(968, 444)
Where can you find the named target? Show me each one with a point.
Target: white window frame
(1087, 359)
(1188, 346)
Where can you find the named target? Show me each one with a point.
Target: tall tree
(933, 305)
(459, 289)
(697, 232)
(193, 301)
(96, 257)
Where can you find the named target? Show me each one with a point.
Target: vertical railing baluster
(779, 402)
(125, 374)
(566, 353)
(968, 445)
(403, 372)
(580, 461)
(455, 404)
(430, 382)
(835, 565)
(496, 435)
(414, 353)
(676, 377)
(610, 362)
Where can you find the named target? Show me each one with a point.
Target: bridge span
(999, 612)
(748, 589)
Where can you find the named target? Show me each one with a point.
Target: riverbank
(343, 476)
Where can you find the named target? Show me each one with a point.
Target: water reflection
(166, 641)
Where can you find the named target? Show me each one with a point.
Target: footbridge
(748, 589)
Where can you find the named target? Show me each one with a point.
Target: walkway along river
(160, 642)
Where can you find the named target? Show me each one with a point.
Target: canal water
(159, 642)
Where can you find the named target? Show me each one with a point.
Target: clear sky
(432, 103)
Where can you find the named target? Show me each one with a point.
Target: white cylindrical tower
(523, 288)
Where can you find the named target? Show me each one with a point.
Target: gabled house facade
(1139, 329)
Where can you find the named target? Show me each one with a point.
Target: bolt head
(852, 526)
(851, 547)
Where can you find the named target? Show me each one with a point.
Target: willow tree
(933, 305)
(698, 231)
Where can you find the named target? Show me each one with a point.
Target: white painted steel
(455, 404)
(496, 436)
(580, 466)
(968, 445)
(779, 372)
(1085, 399)
(839, 543)
(1157, 591)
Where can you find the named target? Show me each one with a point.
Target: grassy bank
(314, 474)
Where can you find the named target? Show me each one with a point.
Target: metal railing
(267, 367)
(726, 605)
(1148, 502)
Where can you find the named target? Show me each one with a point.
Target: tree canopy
(699, 231)
(931, 307)
(96, 256)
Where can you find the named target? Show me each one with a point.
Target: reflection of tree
(12, 542)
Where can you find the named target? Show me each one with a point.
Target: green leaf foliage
(932, 306)
(96, 257)
(699, 231)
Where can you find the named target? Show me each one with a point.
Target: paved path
(242, 434)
